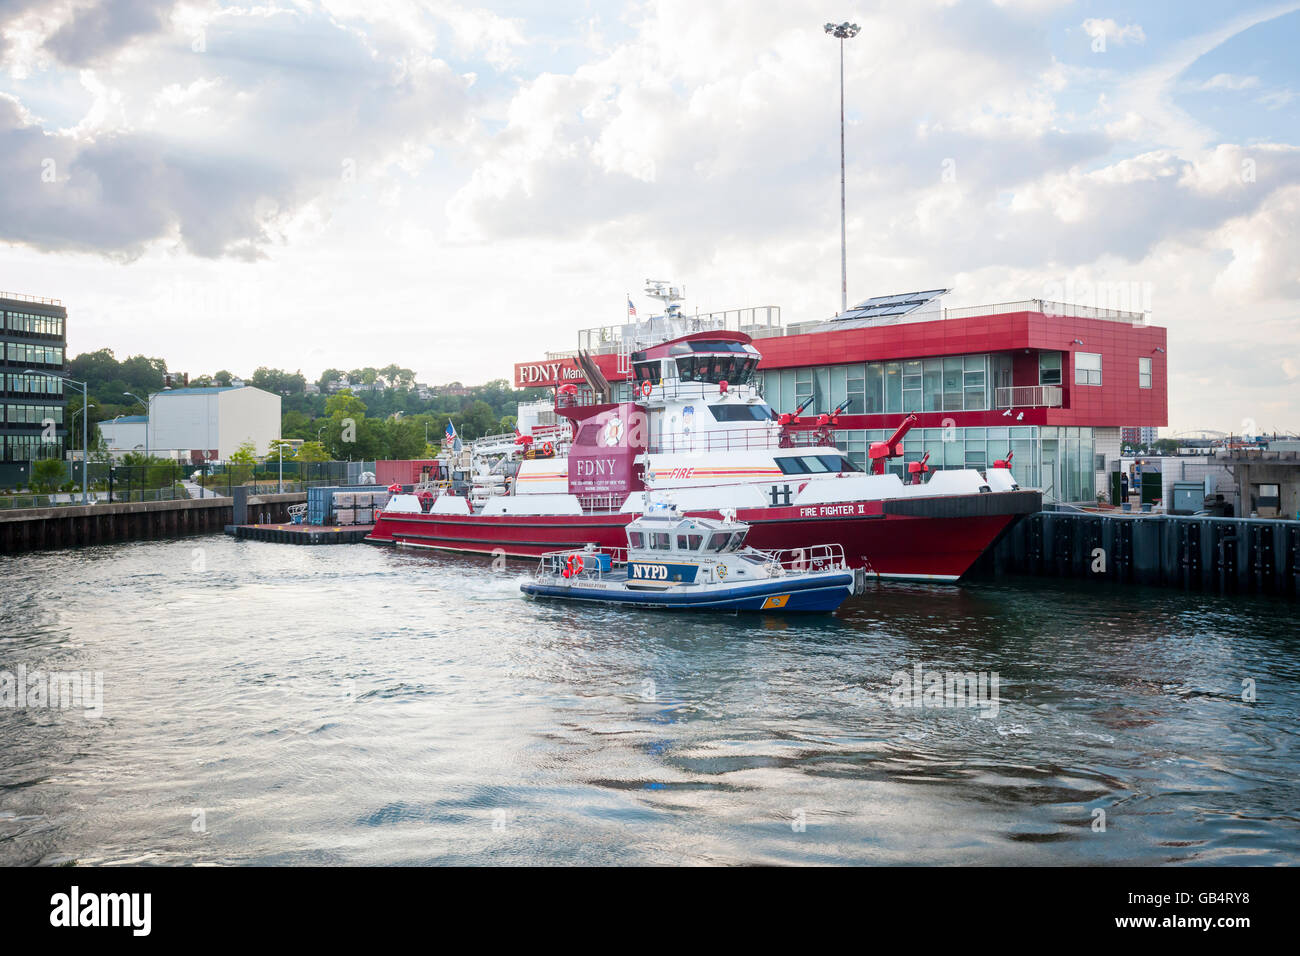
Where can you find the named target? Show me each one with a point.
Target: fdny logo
(613, 433)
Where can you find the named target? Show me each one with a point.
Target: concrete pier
(1227, 555)
(78, 526)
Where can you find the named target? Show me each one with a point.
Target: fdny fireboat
(698, 429)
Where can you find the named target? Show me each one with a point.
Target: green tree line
(391, 422)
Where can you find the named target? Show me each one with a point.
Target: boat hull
(924, 538)
(821, 593)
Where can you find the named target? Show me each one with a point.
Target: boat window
(635, 539)
(814, 463)
(681, 542)
(838, 463)
(741, 413)
(589, 434)
(792, 466)
(662, 541)
(707, 368)
(647, 371)
(693, 541)
(718, 541)
(737, 539)
(716, 346)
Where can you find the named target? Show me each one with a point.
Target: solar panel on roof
(887, 305)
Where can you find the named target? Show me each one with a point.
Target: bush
(48, 474)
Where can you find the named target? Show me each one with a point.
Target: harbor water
(357, 705)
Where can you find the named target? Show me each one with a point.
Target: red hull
(928, 538)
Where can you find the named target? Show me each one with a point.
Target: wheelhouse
(690, 536)
(697, 360)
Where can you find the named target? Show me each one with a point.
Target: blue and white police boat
(679, 563)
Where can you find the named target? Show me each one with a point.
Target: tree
(278, 381)
(273, 450)
(48, 474)
(477, 420)
(345, 405)
(312, 451)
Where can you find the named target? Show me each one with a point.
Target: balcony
(1029, 396)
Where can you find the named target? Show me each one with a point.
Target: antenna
(667, 293)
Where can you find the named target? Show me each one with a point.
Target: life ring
(548, 449)
(723, 386)
(574, 565)
(646, 388)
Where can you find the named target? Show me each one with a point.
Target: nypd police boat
(693, 563)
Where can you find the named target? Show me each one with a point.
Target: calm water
(274, 704)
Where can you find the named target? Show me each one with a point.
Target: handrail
(751, 438)
(22, 297)
(817, 557)
(1029, 396)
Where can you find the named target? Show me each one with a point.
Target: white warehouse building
(124, 434)
(211, 423)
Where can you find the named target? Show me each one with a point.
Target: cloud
(1229, 81)
(1108, 30)
(282, 108)
(104, 27)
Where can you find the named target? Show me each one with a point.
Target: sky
(457, 188)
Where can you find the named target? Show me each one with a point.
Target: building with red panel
(1051, 383)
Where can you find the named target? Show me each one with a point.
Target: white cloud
(1111, 32)
(697, 141)
(1229, 81)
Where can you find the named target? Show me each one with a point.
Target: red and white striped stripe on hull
(931, 539)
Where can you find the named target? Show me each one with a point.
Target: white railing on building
(1029, 396)
(1042, 306)
(20, 297)
(758, 322)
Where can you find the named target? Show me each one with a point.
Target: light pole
(85, 399)
(146, 419)
(842, 32)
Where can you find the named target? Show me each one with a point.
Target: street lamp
(842, 32)
(146, 419)
(85, 400)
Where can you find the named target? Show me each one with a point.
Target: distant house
(338, 384)
(453, 388)
(312, 389)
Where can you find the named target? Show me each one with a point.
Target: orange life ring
(575, 565)
(548, 449)
(646, 388)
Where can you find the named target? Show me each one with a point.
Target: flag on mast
(631, 309)
(452, 437)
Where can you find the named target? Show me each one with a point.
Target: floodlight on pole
(842, 32)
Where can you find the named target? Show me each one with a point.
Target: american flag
(631, 309)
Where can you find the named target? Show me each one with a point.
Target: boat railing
(817, 557)
(555, 562)
(751, 438)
